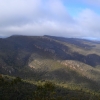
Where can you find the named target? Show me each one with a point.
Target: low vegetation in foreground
(14, 88)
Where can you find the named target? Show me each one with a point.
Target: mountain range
(62, 60)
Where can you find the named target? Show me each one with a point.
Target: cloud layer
(46, 17)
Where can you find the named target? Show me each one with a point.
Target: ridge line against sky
(67, 18)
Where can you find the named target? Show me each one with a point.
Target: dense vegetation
(18, 89)
(51, 68)
(17, 51)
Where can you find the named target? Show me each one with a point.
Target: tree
(45, 92)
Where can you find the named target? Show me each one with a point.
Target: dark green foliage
(44, 91)
(17, 79)
(1, 76)
(13, 89)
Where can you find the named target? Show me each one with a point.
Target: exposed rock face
(16, 51)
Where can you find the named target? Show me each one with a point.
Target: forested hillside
(18, 89)
(71, 65)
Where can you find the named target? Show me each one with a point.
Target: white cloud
(89, 21)
(42, 17)
(95, 3)
(18, 11)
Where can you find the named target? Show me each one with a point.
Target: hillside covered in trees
(49, 68)
(18, 89)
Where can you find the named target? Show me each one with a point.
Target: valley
(71, 63)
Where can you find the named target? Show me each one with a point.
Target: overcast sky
(67, 18)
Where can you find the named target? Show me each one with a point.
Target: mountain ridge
(51, 58)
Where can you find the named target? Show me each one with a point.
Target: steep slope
(16, 50)
(66, 71)
(64, 60)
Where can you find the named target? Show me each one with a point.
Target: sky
(66, 18)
